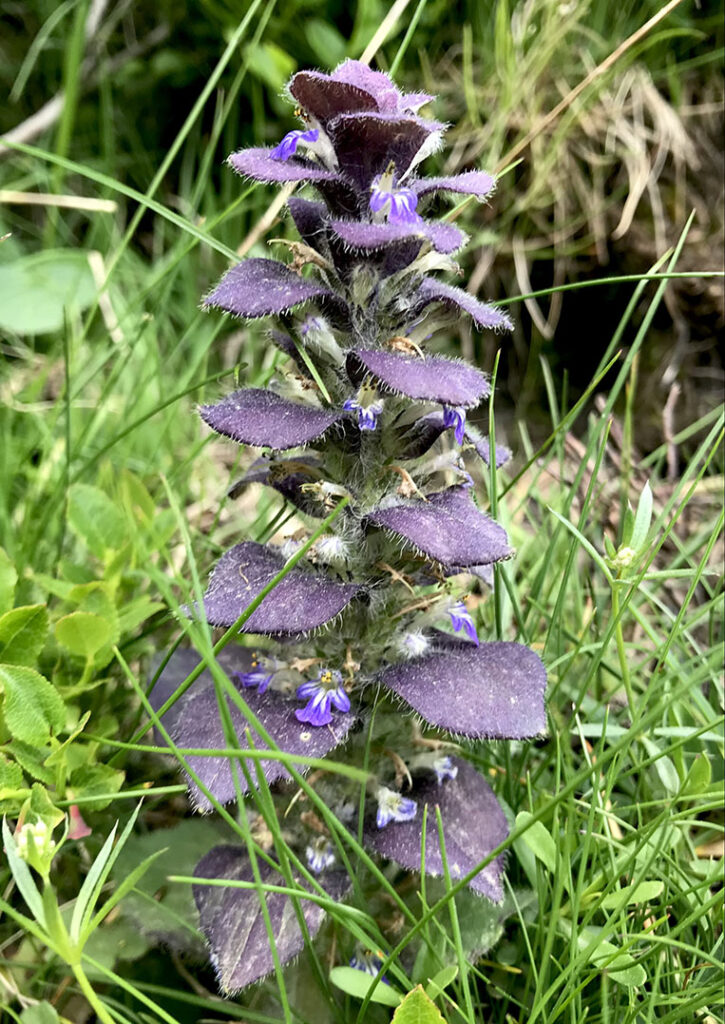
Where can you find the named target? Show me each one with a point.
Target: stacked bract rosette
(373, 617)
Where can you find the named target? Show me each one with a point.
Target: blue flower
(461, 619)
(260, 675)
(402, 202)
(368, 406)
(444, 769)
(320, 855)
(368, 962)
(288, 146)
(454, 416)
(393, 806)
(320, 694)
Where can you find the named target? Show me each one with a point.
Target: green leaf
(22, 634)
(41, 1013)
(12, 784)
(357, 983)
(32, 706)
(538, 839)
(441, 981)
(95, 519)
(699, 776)
(101, 779)
(8, 579)
(135, 612)
(643, 518)
(642, 892)
(621, 967)
(36, 290)
(116, 940)
(83, 633)
(270, 63)
(23, 878)
(417, 1008)
(327, 44)
(31, 759)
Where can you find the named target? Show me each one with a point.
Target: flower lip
(322, 693)
(320, 855)
(393, 806)
(462, 620)
(288, 146)
(398, 203)
(455, 416)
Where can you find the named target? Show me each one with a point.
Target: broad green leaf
(641, 892)
(663, 765)
(441, 981)
(40, 1013)
(357, 983)
(32, 707)
(133, 613)
(96, 779)
(12, 783)
(22, 634)
(621, 967)
(538, 839)
(115, 940)
(36, 290)
(418, 1008)
(95, 519)
(41, 808)
(8, 579)
(270, 63)
(699, 776)
(83, 633)
(327, 44)
(31, 759)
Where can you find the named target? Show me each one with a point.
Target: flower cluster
(361, 409)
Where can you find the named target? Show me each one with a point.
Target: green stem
(90, 994)
(621, 650)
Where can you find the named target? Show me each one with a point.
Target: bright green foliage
(22, 634)
(417, 1008)
(96, 519)
(37, 292)
(31, 706)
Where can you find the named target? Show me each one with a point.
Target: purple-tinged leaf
(444, 238)
(179, 666)
(300, 602)
(366, 143)
(199, 726)
(422, 435)
(258, 287)
(483, 448)
(493, 691)
(447, 527)
(234, 926)
(259, 164)
(483, 315)
(429, 379)
(473, 826)
(265, 420)
(325, 97)
(287, 477)
(470, 183)
(380, 86)
(310, 220)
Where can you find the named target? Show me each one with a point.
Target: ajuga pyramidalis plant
(374, 617)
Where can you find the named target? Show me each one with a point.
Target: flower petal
(259, 287)
(445, 238)
(495, 690)
(266, 420)
(473, 825)
(233, 923)
(483, 315)
(300, 602)
(447, 527)
(431, 379)
(198, 725)
(470, 183)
